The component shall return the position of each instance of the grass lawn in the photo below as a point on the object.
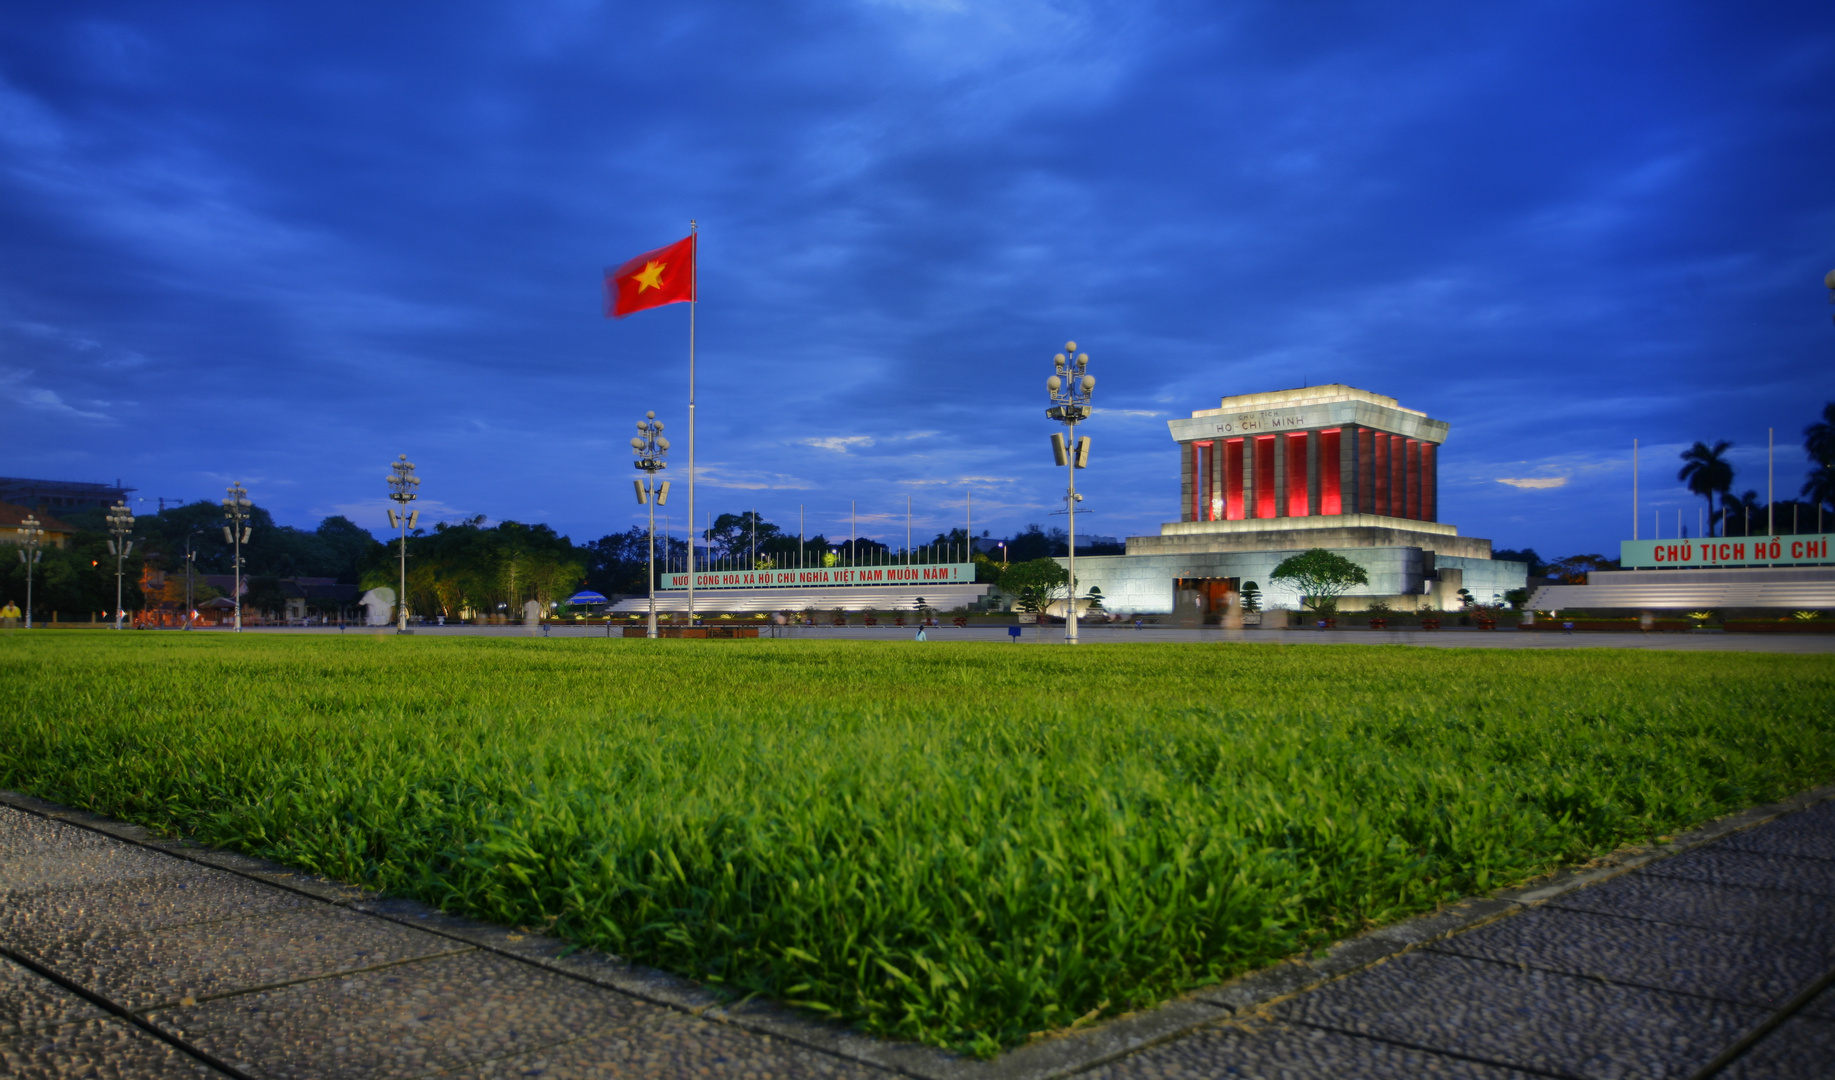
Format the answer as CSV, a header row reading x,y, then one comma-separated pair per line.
x,y
956,843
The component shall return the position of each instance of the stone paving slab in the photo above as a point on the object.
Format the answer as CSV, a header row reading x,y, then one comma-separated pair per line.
x,y
97,1050
1806,919
201,960
141,904
64,857
414,1019
1719,864
1265,1050
711,1050
28,1002
1801,1049
1678,959
1512,1016
1809,835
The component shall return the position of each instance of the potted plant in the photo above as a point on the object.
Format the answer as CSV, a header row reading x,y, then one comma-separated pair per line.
x,y
1379,615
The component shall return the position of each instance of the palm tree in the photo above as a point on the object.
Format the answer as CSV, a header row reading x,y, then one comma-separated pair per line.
x,y
1706,473
1819,443
1819,438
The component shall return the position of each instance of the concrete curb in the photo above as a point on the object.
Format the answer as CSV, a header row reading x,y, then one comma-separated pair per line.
x,y
1056,1055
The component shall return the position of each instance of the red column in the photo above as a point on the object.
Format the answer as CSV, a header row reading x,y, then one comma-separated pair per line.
x,y
1382,474
1264,476
1232,479
1296,475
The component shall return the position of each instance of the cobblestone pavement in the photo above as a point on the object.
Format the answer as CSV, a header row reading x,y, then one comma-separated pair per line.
x,y
121,956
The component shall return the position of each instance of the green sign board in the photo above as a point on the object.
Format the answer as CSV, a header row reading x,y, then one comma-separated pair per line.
x,y
1725,551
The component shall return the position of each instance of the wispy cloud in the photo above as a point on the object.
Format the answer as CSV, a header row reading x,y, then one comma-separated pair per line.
x,y
1534,483
17,386
840,444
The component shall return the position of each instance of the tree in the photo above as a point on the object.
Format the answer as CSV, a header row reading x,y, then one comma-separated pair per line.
x,y
733,535
1819,438
1321,576
1573,569
1820,487
1034,582
1251,594
1036,543
1705,472
1819,444
1523,555
1738,515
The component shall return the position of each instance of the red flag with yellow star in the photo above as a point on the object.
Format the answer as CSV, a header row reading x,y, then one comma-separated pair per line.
x,y
655,278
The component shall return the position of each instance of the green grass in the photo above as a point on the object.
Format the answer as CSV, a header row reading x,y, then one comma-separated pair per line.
x,y
961,844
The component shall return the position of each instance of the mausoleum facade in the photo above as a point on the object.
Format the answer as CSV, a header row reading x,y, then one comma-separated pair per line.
x,y
1265,476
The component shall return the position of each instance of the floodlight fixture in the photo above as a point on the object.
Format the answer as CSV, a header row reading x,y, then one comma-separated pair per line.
x,y
403,489
1070,405
120,523
651,448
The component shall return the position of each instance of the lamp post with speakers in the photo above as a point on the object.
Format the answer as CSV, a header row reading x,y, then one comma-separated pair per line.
x,y
402,485
120,523
31,534
236,532
1070,387
650,447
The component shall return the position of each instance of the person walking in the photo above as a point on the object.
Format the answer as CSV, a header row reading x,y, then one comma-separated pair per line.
x,y
9,616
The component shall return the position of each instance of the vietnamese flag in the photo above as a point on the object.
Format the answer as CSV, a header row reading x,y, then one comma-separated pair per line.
x,y
655,278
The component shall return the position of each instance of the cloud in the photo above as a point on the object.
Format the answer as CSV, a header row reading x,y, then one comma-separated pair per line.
x,y
840,444
1534,483
15,385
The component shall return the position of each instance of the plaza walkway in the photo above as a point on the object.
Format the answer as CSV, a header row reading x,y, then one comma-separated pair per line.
x,y
122,956
1123,634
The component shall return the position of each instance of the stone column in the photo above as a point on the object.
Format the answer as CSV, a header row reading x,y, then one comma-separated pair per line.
x,y
1249,503
1280,475
1312,473
1188,458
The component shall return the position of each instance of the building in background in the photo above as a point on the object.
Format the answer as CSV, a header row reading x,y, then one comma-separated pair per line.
x,y
1266,476
60,494
12,520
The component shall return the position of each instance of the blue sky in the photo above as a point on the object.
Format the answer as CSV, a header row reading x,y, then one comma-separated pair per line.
x,y
281,244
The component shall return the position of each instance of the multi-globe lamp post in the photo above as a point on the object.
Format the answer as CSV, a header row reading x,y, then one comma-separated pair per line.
x,y
120,522
402,485
236,531
1070,387
650,447
31,534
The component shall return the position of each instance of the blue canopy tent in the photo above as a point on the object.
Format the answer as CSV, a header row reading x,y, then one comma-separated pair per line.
x,y
586,598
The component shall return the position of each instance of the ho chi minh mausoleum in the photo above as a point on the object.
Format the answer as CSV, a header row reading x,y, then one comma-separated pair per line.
x,y
1265,476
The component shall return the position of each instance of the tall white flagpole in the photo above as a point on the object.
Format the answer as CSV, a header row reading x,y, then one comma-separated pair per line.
x,y
694,297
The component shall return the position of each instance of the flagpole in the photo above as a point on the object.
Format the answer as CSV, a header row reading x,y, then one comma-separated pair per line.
x,y
694,296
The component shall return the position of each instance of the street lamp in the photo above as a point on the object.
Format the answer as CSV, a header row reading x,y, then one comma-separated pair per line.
x,y
1070,392
31,534
402,483
120,522
235,534
191,558
650,447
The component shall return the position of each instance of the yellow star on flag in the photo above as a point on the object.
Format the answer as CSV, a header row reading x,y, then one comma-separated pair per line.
x,y
651,276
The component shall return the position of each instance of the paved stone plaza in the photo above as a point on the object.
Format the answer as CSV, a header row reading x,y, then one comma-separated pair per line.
x,y
125,956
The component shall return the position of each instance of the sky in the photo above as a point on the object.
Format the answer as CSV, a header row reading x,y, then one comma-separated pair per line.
x,y
281,244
